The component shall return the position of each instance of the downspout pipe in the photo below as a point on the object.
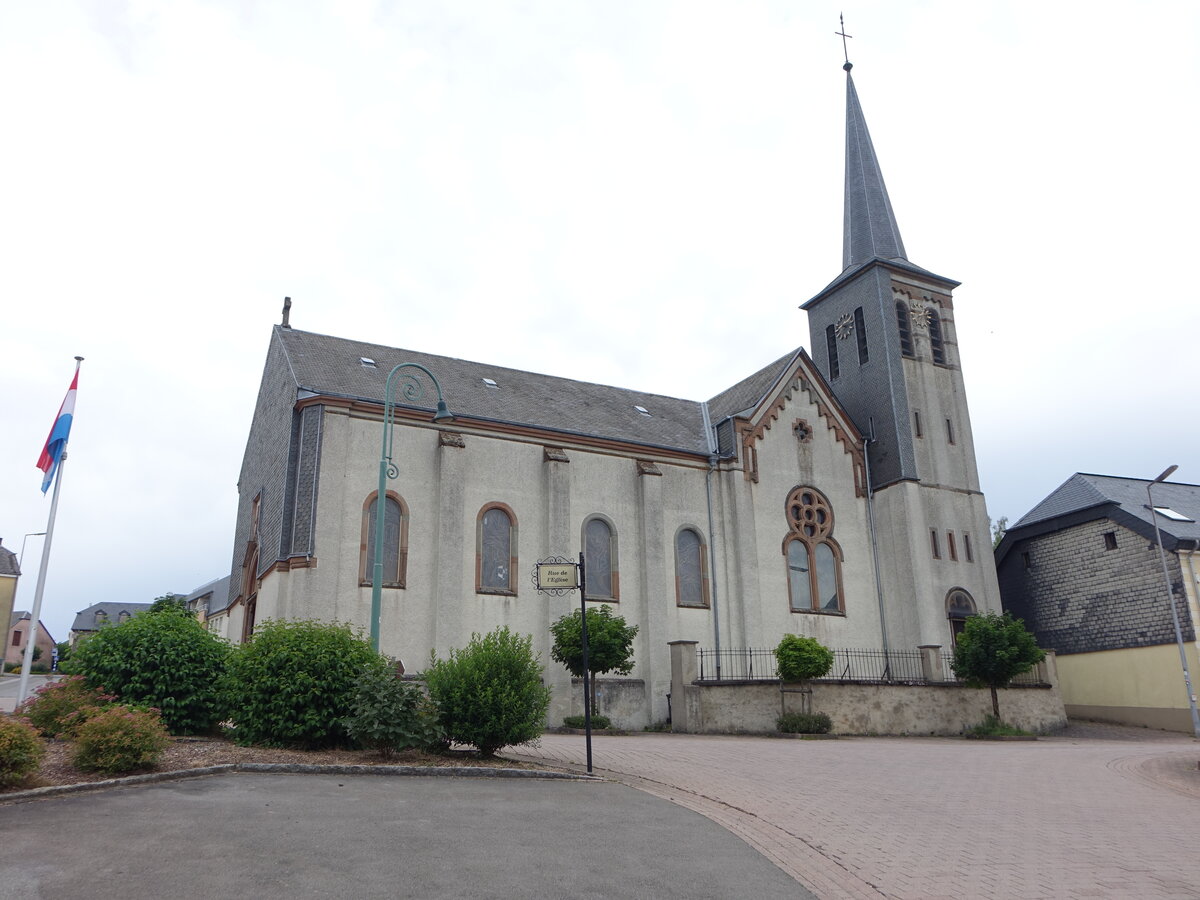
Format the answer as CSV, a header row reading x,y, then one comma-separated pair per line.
x,y
710,438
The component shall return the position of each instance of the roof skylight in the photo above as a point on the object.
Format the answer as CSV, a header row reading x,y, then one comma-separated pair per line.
x,y
367,362
642,410
1167,513
490,383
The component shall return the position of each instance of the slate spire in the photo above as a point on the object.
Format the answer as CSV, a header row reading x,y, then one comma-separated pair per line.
x,y
869,226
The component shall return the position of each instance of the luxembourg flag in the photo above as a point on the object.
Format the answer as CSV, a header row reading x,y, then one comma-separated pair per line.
x,y
56,443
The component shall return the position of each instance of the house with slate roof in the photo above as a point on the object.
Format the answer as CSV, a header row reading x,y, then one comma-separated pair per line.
x,y
833,492
90,620
10,573
18,636
1082,569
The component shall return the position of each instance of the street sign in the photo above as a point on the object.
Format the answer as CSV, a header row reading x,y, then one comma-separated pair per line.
x,y
557,576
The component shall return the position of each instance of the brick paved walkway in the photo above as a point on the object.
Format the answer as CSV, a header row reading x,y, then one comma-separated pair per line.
x,y
1097,812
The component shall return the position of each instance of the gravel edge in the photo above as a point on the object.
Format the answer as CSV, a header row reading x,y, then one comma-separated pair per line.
x,y
289,769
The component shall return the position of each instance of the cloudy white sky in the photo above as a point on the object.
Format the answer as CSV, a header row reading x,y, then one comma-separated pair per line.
x,y
636,193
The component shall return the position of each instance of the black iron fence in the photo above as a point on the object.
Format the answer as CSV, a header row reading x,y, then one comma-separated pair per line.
x,y
849,666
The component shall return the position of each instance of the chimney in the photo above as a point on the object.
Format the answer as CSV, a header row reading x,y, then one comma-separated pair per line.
x,y
287,311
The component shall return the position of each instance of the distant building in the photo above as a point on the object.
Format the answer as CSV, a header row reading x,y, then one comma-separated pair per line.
x,y
18,637
90,620
208,600
10,573
1082,569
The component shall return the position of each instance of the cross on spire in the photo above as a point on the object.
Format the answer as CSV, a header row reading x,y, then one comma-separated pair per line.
x,y
843,35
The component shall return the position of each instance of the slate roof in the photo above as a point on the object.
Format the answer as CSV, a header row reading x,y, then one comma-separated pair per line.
x,y
869,225
746,394
332,366
218,588
8,562
1084,496
85,619
17,616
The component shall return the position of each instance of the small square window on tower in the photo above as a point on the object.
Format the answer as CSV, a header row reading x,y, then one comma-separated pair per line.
x,y
1110,540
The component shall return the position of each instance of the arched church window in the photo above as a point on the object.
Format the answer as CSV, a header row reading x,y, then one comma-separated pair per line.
x,y
959,607
691,571
600,555
831,349
904,325
814,559
937,347
496,550
395,540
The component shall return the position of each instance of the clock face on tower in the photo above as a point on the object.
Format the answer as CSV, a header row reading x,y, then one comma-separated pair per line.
x,y
844,327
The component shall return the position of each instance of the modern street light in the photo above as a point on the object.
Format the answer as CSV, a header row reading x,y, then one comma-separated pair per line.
x,y
413,391
21,558
1162,556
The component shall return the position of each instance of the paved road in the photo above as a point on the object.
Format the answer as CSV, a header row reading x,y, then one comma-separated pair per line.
x,y
1098,812
9,685
290,836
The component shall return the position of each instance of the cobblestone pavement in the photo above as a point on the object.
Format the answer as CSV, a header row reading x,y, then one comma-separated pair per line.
x,y
1098,811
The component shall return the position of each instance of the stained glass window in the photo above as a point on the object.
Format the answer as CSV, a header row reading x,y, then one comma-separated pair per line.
x,y
393,526
599,557
690,584
496,551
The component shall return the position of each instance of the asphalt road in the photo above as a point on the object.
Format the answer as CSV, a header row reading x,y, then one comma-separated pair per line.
x,y
292,836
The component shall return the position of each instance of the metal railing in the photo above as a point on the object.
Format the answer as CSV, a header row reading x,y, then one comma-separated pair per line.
x,y
850,666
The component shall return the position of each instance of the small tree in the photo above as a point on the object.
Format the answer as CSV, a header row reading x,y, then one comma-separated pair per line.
x,y
610,644
170,602
490,693
801,658
992,650
389,714
160,659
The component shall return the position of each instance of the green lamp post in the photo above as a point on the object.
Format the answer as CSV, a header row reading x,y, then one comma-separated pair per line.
x,y
413,391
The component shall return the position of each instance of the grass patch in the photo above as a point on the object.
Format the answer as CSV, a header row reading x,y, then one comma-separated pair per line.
x,y
993,727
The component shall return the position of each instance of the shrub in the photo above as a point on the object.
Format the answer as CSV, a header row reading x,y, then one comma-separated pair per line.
x,y
58,709
578,722
388,714
803,723
120,739
160,659
800,658
21,751
490,693
293,683
992,650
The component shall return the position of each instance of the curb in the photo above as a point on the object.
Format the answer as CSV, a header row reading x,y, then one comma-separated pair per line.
x,y
290,769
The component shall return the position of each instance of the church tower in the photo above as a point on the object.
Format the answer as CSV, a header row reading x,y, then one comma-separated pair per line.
x,y
883,334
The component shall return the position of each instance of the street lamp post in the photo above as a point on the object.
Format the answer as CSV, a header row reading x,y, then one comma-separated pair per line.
x,y
413,391
21,558
1162,556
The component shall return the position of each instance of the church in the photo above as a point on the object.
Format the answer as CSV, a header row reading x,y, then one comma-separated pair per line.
x,y
832,493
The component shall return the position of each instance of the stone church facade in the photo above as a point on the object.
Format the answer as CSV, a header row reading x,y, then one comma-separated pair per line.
x,y
832,494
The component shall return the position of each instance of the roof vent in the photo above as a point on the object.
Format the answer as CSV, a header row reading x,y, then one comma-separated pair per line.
x,y
490,383
367,362
642,410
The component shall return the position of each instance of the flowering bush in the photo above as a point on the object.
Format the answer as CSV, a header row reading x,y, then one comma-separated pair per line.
x,y
120,739
20,751
58,709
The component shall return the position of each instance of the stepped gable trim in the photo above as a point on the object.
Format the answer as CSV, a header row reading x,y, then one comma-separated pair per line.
x,y
803,376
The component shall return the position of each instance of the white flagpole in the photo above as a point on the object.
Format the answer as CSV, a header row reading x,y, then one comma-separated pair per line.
x,y
35,616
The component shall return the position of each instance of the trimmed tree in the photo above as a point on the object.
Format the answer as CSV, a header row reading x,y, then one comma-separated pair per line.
x,y
992,650
490,693
800,658
160,659
610,644
293,684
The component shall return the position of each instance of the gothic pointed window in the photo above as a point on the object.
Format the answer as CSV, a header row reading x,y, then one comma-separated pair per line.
x,y
395,540
904,325
691,571
814,559
600,556
937,347
831,348
496,550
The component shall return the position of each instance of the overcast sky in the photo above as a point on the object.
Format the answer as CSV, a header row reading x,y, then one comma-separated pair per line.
x,y
630,192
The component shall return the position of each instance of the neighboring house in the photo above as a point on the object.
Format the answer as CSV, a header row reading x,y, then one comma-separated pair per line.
x,y
90,620
10,573
761,511
18,638
1082,569
200,602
